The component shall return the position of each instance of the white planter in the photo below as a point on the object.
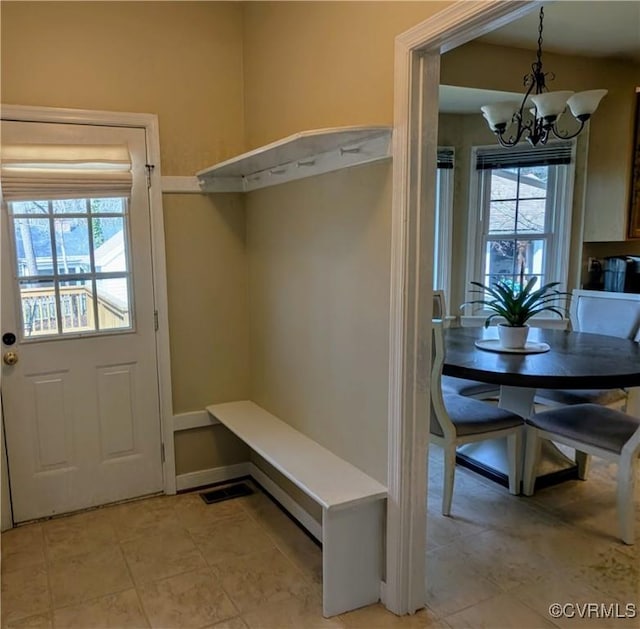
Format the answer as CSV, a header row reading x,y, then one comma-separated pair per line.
x,y
513,337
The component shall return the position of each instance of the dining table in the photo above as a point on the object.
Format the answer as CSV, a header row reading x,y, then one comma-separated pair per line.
x,y
560,359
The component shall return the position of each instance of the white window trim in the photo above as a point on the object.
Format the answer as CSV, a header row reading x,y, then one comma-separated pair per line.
x,y
444,233
558,255
148,122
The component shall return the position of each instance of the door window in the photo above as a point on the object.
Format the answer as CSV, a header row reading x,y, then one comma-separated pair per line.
x,y
72,266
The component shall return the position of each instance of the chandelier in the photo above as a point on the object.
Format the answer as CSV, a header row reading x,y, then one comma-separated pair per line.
x,y
536,117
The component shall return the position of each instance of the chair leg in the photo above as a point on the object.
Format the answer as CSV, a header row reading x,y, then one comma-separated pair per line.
x,y
449,474
583,460
514,450
531,456
626,488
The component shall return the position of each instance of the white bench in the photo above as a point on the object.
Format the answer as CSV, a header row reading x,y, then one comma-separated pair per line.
x,y
352,502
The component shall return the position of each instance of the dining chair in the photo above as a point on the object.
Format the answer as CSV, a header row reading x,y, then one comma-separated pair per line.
x,y
592,430
456,420
461,386
597,314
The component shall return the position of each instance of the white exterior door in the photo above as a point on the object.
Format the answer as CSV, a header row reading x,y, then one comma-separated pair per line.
x,y
81,405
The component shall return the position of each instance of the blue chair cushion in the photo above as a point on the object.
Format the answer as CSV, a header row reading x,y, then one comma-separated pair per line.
x,y
473,417
472,388
583,396
591,424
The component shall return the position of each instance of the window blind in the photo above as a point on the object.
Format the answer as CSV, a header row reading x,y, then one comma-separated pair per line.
x,y
445,158
55,171
521,156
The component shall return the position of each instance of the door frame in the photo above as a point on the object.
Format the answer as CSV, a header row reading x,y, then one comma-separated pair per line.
x,y
148,122
416,81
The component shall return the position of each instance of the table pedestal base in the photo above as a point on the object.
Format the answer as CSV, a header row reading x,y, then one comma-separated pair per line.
x,y
489,459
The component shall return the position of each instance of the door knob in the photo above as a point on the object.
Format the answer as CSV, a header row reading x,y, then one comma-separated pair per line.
x,y
10,358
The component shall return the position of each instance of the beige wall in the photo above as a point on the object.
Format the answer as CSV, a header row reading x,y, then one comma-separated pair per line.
x,y
609,161
319,249
208,317
179,60
207,286
226,76
202,448
208,69
319,253
311,65
183,62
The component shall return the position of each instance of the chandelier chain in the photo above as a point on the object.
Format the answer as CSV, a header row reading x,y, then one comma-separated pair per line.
x,y
539,55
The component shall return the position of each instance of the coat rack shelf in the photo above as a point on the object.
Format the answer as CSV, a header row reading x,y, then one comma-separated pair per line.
x,y
300,155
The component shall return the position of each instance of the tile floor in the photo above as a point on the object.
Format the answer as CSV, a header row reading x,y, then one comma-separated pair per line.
x,y
174,562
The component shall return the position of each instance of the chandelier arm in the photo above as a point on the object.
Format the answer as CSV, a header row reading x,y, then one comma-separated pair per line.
x,y
514,139
523,127
566,135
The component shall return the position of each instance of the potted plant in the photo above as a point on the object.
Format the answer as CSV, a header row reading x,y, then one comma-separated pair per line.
x,y
516,304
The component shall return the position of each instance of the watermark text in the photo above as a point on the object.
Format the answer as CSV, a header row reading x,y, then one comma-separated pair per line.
x,y
593,610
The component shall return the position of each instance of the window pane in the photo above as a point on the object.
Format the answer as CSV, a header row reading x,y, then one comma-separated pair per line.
x,y
533,180
72,245
531,216
505,259
70,206
113,303
33,246
78,298
500,260
108,206
76,306
504,183
502,217
109,245
38,300
29,207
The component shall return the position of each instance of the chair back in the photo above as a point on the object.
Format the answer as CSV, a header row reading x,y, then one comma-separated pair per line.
x,y
612,314
441,424
439,305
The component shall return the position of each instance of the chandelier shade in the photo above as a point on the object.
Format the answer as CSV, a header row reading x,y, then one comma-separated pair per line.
x,y
535,118
499,114
585,103
550,104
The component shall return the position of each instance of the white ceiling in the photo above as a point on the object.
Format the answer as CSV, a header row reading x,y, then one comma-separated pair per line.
x,y
591,29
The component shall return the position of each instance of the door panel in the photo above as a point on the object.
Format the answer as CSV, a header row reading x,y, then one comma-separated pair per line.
x,y
52,428
81,405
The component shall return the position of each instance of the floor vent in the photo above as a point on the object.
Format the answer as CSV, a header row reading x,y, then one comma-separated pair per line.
x,y
226,493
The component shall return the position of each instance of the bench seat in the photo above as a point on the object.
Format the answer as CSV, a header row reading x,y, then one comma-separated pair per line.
x,y
352,502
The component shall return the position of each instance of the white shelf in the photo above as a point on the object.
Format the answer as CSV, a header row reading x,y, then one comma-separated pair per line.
x,y
303,154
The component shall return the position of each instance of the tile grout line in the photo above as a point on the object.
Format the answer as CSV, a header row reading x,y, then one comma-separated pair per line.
x,y
135,585
216,577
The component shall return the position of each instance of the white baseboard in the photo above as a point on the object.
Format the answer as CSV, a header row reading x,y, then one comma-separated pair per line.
x,y
201,478
300,514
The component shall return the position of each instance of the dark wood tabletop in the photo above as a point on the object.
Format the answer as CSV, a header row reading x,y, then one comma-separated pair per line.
x,y
576,360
